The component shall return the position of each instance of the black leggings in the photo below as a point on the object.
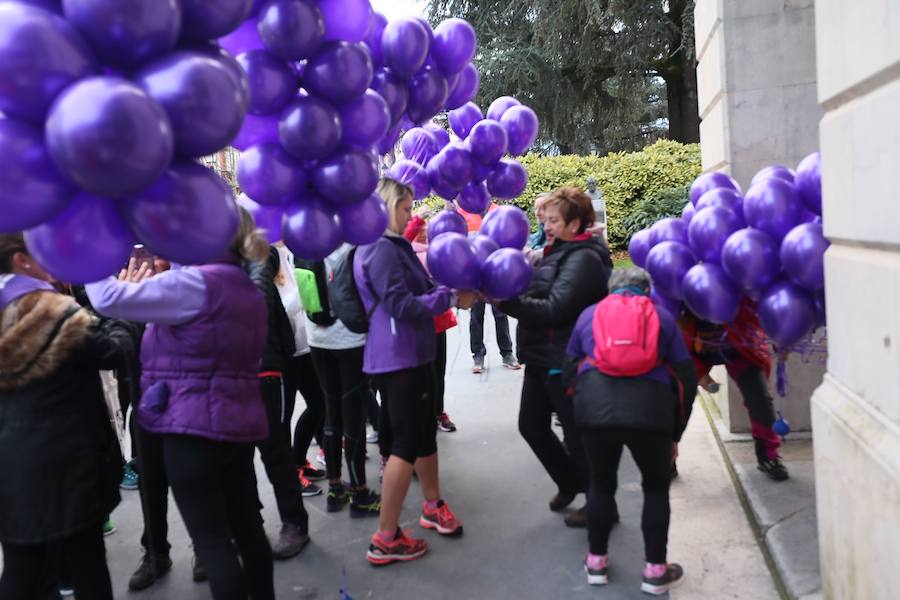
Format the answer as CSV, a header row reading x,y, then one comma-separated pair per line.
x,y
215,489
300,375
344,384
31,572
408,427
154,485
652,451
440,370
566,463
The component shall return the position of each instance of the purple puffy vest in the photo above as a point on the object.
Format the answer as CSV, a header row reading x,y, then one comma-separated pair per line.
x,y
201,378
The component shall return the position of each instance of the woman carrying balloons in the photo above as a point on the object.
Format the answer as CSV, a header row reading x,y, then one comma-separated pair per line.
x,y
201,355
400,352
571,276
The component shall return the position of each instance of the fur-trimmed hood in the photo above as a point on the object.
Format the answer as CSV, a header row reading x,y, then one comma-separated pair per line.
x,y
39,332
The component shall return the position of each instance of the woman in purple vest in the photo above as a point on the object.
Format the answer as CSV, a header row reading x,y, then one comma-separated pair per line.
x,y
400,353
201,355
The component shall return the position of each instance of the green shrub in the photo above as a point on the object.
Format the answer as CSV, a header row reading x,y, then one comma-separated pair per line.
x,y
649,210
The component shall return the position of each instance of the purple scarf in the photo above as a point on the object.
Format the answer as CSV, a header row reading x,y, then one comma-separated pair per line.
x,y
13,287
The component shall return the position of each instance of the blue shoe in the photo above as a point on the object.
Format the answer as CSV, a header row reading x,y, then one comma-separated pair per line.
x,y
129,478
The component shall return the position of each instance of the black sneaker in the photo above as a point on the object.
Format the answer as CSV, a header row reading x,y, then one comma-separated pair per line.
x,y
291,540
337,498
365,503
657,586
151,568
775,469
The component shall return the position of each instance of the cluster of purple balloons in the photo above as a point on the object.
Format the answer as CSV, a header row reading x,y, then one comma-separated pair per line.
x,y
106,105
472,169
492,261
332,85
766,245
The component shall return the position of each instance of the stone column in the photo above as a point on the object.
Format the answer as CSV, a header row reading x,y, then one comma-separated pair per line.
x,y
856,411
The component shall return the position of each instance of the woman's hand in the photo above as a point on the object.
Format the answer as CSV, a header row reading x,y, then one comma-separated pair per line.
x,y
465,299
134,273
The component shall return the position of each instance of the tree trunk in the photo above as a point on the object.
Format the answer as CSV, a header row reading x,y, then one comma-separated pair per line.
x,y
681,93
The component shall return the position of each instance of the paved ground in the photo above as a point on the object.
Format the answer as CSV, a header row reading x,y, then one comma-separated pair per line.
x,y
513,547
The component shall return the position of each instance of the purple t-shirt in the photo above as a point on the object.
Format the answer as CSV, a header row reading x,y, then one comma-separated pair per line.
x,y
672,348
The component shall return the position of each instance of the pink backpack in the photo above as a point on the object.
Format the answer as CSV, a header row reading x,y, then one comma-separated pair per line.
x,y
626,336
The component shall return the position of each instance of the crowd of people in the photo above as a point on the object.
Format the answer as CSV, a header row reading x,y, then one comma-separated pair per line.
x,y
210,358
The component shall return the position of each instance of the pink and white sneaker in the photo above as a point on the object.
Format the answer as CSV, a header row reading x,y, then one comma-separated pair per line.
x,y
441,519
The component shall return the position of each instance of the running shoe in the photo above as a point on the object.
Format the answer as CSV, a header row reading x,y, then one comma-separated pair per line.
x,y
320,457
597,569
308,488
66,591
478,365
445,424
372,438
775,469
440,519
337,498
129,477
311,473
659,579
401,548
365,503
109,527
510,362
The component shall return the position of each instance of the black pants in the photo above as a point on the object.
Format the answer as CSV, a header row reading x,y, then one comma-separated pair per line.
x,y
154,486
652,451
408,427
31,572
754,387
440,371
543,394
372,408
215,490
344,384
301,376
278,459
476,331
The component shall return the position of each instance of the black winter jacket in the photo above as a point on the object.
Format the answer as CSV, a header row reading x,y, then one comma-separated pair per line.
x,y
280,344
568,279
60,464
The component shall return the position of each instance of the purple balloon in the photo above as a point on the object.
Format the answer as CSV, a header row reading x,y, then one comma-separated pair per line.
x,y
440,187
310,129
340,72
364,222
201,97
483,247
639,248
708,231
86,242
499,107
773,206
243,39
480,172
709,181
441,137
226,59
346,177
809,182
272,82
311,229
454,45
394,92
404,46
803,256
508,226
53,6
475,198
455,165
724,197
267,218
427,26
453,262
205,20
446,221
389,141
412,174
188,216
108,136
710,294
688,212
508,179
773,172
31,189
126,34
373,37
489,142
292,29
673,307
42,54
750,258
269,175
256,130
464,118
465,88
428,91
669,230
419,145
506,274
522,125
368,119
787,313
667,263
346,20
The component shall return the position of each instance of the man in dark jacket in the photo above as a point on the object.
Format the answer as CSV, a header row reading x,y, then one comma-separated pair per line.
x,y
571,276
648,413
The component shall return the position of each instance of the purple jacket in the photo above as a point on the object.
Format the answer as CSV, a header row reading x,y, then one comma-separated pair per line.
x,y
401,328
201,352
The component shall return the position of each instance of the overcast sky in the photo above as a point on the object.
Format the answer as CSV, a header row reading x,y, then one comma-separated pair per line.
x,y
399,8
